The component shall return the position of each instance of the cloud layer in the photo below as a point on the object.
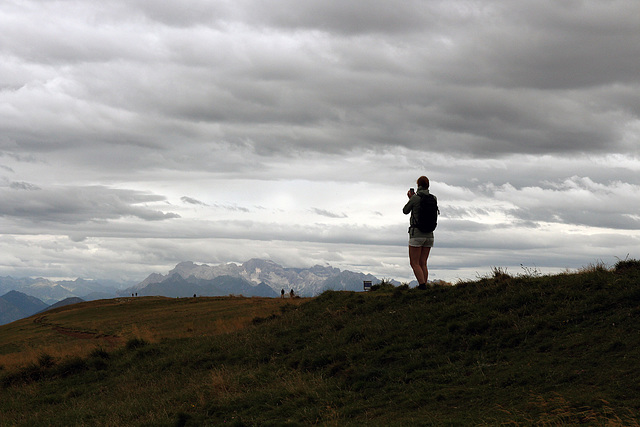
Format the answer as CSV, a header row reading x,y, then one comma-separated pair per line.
x,y
135,134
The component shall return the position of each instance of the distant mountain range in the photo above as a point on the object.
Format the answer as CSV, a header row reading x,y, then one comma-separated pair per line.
x,y
24,297
16,305
50,292
255,277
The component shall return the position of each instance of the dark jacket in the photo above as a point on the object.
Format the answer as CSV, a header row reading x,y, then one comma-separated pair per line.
x,y
413,207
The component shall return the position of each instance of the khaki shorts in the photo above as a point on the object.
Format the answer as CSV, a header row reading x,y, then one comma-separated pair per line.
x,y
427,242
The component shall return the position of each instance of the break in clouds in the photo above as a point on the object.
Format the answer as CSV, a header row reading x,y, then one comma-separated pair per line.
x,y
135,135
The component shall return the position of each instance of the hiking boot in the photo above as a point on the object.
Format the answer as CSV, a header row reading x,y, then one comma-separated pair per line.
x,y
422,286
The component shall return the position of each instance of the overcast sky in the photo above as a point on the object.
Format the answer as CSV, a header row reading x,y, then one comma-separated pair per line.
x,y
136,134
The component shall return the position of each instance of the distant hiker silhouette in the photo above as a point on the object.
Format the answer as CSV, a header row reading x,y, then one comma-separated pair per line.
x,y
291,293
421,235
282,293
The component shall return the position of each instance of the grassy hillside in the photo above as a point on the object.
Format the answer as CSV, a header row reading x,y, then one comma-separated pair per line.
x,y
108,324
525,350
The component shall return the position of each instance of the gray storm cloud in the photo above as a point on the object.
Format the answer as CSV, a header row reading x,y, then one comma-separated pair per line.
x,y
127,121
490,78
77,204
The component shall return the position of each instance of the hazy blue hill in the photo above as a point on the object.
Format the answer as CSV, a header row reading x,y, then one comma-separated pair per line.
x,y
47,291
8,312
7,283
99,295
152,278
347,281
23,301
264,290
177,286
17,305
51,292
85,287
227,285
64,302
173,286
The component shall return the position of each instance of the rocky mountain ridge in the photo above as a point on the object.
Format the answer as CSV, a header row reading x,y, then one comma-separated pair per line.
x,y
257,273
255,277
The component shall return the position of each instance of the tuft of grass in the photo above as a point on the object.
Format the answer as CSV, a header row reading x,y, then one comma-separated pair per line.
x,y
134,343
500,274
627,266
71,366
385,285
530,272
99,353
46,361
595,267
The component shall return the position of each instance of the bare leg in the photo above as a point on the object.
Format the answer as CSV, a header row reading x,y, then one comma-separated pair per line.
x,y
424,254
415,254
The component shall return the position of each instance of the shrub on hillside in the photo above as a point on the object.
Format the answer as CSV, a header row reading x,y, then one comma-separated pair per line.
x,y
134,343
99,353
71,366
627,265
46,360
384,285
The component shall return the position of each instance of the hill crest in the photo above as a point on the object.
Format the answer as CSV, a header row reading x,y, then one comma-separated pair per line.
x,y
524,350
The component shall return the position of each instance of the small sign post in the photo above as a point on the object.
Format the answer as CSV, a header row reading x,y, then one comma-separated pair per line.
x,y
367,285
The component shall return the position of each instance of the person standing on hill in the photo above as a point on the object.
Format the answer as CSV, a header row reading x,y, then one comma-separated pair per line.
x,y
420,242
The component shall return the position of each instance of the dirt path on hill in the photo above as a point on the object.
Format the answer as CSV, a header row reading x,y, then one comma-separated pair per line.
x,y
112,340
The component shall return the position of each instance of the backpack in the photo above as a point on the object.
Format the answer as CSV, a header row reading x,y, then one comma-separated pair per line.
x,y
428,214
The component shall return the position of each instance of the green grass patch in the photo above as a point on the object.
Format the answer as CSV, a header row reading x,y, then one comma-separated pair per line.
x,y
520,350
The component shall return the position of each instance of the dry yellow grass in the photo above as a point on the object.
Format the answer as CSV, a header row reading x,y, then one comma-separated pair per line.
x,y
80,328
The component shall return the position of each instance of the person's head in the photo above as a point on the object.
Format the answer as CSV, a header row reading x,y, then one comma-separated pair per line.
x,y
423,182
